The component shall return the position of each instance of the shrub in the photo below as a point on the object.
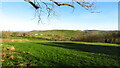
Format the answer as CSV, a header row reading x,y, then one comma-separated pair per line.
x,y
6,34
107,37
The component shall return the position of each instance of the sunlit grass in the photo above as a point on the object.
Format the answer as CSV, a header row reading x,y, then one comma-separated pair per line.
x,y
52,53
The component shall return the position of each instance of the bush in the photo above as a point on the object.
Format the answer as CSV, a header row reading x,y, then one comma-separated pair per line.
x,y
6,34
16,34
107,37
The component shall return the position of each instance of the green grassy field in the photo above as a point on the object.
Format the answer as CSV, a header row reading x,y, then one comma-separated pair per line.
x,y
62,53
61,34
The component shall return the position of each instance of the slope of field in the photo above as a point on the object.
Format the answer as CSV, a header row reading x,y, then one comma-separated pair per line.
x,y
66,34
51,53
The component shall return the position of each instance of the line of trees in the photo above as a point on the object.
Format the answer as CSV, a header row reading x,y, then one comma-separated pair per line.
x,y
107,37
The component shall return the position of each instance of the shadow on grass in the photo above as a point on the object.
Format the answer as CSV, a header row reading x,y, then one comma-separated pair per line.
x,y
109,50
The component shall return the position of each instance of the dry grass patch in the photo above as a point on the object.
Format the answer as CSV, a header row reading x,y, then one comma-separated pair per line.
x,y
12,40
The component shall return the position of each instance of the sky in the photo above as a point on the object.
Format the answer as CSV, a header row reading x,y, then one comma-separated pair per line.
x,y
19,16
60,0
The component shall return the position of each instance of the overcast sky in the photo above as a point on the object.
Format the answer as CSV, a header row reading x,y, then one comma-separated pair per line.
x,y
19,16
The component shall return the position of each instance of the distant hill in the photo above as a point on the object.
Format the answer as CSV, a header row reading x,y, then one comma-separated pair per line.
x,y
66,32
61,33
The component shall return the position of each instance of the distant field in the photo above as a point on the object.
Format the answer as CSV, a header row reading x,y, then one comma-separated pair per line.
x,y
61,34
60,53
75,35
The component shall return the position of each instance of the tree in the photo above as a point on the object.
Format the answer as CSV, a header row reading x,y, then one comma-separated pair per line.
x,y
82,3
38,5
6,34
16,34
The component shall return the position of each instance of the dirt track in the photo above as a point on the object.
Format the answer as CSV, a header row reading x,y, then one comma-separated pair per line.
x,y
12,40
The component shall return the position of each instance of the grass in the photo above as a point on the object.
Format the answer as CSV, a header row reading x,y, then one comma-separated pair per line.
x,y
64,34
63,53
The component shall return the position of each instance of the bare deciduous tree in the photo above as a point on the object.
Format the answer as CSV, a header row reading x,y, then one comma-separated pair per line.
x,y
38,5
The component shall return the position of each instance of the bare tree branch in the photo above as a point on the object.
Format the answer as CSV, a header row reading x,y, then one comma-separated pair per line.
x,y
62,4
35,6
39,5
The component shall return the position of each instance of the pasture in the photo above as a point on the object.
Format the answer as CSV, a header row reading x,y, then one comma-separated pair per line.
x,y
59,53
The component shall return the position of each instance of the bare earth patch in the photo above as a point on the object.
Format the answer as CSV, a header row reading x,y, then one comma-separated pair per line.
x,y
12,40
